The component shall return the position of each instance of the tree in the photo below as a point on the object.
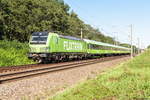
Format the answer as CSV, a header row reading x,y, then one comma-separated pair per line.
x,y
20,18
148,47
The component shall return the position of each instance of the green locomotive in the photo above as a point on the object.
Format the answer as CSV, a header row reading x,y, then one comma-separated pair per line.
x,y
49,46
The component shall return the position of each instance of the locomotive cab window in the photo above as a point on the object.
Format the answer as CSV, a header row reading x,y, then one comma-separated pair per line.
x,y
39,38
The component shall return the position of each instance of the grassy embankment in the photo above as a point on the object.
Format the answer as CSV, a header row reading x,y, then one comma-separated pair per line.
x,y
128,81
13,53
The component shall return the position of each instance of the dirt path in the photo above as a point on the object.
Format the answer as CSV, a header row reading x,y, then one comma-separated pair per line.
x,y
48,85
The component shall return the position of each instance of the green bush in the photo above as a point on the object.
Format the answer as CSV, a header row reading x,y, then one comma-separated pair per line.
x,y
13,53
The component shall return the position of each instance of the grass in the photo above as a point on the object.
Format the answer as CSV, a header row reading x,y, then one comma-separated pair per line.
x,y
128,81
13,53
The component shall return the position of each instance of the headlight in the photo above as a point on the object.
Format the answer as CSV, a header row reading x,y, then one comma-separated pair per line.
x,y
47,49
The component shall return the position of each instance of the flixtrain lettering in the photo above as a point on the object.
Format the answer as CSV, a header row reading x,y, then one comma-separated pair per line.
x,y
72,45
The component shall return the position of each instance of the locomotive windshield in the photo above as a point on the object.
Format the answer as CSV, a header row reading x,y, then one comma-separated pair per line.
x,y
39,38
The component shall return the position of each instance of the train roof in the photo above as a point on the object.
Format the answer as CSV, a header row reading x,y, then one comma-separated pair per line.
x,y
104,44
70,37
40,33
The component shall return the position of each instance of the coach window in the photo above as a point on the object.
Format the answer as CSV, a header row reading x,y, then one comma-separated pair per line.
x,y
56,40
102,47
89,46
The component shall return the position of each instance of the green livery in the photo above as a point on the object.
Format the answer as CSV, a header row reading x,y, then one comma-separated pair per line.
x,y
51,46
95,47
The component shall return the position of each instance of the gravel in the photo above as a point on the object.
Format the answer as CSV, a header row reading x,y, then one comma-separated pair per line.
x,y
39,88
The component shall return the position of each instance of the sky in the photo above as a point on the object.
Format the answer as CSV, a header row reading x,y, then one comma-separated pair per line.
x,y
114,18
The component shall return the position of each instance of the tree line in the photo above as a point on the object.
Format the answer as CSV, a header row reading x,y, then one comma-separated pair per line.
x,y
20,18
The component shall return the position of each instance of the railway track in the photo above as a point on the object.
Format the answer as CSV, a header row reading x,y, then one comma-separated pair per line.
x,y
17,73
